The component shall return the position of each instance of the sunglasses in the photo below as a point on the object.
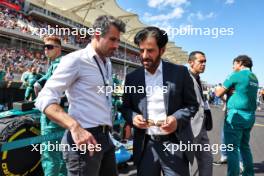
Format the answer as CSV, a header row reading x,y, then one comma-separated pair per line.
x,y
50,47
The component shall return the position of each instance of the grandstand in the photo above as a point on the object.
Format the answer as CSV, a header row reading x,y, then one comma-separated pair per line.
x,y
21,22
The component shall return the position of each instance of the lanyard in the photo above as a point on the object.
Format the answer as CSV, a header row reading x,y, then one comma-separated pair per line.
x,y
105,84
108,98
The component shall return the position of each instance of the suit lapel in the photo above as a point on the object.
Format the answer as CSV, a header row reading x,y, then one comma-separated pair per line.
x,y
142,96
165,74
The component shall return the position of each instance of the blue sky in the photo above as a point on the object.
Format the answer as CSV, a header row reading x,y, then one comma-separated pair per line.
x,y
246,18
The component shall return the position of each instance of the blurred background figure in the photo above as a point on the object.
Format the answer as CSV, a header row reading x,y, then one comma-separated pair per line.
x,y
30,80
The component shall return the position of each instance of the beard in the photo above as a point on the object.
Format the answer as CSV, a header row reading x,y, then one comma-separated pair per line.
x,y
151,64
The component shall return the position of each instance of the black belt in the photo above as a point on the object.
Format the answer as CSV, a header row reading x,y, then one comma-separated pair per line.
x,y
161,138
100,129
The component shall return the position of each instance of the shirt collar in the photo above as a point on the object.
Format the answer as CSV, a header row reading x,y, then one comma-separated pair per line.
x,y
92,53
194,75
245,68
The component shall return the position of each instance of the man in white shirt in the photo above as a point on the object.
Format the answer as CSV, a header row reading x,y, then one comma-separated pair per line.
x,y
82,74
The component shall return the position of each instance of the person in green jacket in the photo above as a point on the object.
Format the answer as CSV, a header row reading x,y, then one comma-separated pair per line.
x,y
241,87
52,161
2,73
2,79
30,80
24,75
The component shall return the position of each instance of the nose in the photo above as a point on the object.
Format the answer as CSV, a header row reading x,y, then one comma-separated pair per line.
x,y
116,45
144,54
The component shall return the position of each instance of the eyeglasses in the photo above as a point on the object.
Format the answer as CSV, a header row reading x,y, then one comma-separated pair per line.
x,y
49,47
151,122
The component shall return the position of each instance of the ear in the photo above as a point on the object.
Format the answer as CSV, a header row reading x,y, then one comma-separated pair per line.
x,y
240,64
190,62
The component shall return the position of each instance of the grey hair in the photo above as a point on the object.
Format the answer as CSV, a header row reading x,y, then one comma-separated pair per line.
x,y
105,21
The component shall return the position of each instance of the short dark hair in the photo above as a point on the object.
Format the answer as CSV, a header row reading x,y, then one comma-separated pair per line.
x,y
53,38
193,53
244,60
104,22
160,36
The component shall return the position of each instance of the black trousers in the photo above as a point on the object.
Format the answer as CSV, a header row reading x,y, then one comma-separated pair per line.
x,y
79,163
156,159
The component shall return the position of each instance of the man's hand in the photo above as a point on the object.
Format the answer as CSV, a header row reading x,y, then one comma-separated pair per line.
x,y
170,125
81,136
140,122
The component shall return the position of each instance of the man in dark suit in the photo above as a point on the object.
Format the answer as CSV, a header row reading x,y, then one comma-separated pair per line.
x,y
159,100
202,121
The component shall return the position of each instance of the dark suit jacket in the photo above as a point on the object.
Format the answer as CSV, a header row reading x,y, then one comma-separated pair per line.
x,y
180,101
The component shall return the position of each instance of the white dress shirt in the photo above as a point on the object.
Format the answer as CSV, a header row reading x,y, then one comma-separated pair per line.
x,y
155,99
79,75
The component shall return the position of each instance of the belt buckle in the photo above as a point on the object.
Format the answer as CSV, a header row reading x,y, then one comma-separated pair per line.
x,y
157,138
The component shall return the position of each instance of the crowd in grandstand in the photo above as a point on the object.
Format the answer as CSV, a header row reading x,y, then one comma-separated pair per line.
x,y
16,61
12,19
128,56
